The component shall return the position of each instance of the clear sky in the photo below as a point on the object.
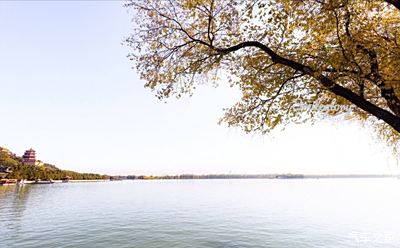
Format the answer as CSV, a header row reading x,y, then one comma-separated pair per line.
x,y
68,90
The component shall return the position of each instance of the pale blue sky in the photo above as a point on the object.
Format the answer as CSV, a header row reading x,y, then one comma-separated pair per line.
x,y
68,91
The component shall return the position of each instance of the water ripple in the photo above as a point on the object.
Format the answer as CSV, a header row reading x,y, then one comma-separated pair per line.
x,y
203,213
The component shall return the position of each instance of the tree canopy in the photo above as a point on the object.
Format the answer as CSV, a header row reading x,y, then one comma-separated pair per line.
x,y
293,60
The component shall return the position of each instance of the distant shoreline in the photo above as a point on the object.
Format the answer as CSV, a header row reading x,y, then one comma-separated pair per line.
x,y
222,176
211,177
75,181
252,176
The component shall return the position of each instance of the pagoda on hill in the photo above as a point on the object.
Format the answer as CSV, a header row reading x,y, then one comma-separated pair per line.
x,y
29,157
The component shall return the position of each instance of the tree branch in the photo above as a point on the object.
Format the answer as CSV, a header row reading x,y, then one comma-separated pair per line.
x,y
380,113
395,3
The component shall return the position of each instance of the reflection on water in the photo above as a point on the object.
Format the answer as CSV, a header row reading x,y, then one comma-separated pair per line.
x,y
203,213
16,198
13,204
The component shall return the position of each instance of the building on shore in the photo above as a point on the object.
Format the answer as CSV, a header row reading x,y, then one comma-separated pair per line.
x,y
4,171
29,157
66,179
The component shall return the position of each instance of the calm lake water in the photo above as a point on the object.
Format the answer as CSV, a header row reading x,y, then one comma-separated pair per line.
x,y
203,213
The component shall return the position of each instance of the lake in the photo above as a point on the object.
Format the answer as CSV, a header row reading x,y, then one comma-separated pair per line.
x,y
203,213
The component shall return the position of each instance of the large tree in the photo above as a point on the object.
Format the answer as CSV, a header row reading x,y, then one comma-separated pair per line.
x,y
294,60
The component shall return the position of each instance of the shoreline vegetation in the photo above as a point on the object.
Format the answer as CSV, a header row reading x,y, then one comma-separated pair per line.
x,y
251,176
12,167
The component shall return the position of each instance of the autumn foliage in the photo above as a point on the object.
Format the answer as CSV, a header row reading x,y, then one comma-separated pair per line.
x,y
294,61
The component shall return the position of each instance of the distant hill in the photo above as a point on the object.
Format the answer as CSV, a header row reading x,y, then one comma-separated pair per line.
x,y
10,162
